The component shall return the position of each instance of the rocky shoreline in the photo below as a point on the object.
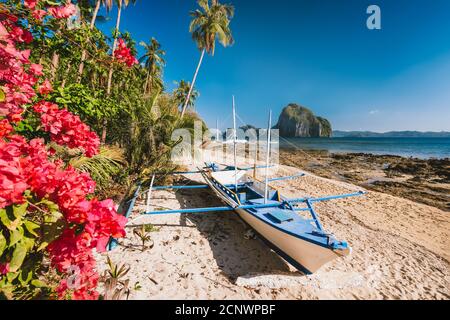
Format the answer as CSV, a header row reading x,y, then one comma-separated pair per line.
x,y
424,181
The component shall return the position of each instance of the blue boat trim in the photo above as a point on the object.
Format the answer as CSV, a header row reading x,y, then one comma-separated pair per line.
x,y
217,184
286,204
112,241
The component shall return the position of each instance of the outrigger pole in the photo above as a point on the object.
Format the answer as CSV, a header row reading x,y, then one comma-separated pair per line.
x,y
200,171
217,129
205,186
234,145
287,202
267,157
149,194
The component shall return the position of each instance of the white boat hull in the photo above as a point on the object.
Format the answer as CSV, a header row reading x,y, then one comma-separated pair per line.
x,y
302,254
310,256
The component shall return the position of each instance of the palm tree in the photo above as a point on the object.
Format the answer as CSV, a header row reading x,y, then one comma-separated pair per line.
x,y
209,22
185,94
153,61
108,4
120,4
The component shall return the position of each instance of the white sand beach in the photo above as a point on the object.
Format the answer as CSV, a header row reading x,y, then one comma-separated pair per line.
x,y
400,249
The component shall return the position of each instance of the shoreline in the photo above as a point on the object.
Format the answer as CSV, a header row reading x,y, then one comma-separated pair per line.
x,y
406,147
421,180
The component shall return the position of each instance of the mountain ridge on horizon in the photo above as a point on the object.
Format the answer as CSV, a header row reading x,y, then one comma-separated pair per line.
x,y
391,134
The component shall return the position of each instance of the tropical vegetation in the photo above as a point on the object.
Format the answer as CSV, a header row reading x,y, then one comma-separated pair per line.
x,y
81,119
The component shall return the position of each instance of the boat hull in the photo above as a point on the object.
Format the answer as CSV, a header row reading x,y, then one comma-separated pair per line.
x,y
304,255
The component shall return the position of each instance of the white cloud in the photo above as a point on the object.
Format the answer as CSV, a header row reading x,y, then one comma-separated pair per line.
x,y
371,112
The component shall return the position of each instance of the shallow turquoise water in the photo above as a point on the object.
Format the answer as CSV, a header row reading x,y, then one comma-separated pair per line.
x,y
408,147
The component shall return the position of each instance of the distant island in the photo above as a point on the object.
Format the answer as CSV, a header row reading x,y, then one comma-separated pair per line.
x,y
299,121
390,134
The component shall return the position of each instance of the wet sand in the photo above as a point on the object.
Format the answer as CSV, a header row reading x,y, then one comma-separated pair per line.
x,y
424,181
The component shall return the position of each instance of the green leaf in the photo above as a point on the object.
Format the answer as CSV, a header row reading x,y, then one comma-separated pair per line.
x,y
10,276
31,226
20,210
2,95
2,243
52,228
7,217
49,204
25,276
28,242
38,283
15,236
19,254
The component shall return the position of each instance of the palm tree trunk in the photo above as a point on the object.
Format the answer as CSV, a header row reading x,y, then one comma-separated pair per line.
x,y
66,75
94,16
192,83
54,67
108,87
146,81
84,53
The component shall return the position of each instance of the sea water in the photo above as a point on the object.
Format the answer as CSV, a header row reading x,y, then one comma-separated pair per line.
x,y
423,148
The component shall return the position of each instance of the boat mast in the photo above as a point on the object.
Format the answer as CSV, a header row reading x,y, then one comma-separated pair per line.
x,y
234,146
267,157
149,194
217,130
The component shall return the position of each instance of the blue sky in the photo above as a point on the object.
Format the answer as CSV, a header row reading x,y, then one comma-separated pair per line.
x,y
317,53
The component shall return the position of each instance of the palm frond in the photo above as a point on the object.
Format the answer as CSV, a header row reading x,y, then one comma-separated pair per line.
x,y
101,167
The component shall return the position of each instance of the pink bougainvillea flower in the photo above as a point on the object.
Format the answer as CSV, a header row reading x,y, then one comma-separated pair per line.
x,y
39,14
3,32
63,12
4,268
36,69
45,88
30,4
13,178
21,35
5,128
67,129
30,165
123,54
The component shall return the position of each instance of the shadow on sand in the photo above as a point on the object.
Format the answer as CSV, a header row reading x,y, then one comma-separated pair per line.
x,y
235,255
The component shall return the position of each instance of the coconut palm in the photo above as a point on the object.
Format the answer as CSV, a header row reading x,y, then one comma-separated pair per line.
x,y
209,22
185,94
108,4
120,4
153,61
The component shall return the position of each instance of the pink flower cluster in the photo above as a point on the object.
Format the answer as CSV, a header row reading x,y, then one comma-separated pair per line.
x,y
123,54
91,223
38,14
17,74
26,165
59,12
64,11
66,128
